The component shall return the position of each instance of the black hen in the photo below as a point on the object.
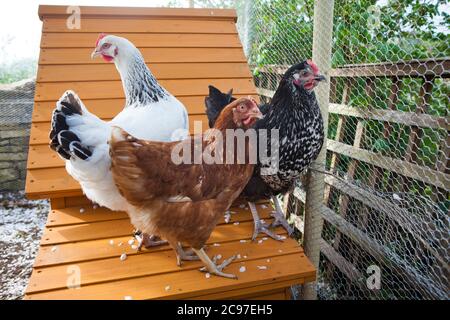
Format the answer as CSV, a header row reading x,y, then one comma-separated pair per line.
x,y
294,111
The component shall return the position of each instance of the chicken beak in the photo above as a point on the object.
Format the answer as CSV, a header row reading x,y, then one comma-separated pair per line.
x,y
320,77
95,53
256,113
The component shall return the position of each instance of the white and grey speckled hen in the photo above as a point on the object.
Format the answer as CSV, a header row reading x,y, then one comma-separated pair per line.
x,y
294,111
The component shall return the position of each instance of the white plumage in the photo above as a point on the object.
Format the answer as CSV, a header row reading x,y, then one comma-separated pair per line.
x,y
150,113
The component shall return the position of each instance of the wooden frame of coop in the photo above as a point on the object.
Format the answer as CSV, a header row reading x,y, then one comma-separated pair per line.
x,y
186,49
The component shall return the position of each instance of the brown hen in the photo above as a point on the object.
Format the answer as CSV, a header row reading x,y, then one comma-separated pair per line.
x,y
183,202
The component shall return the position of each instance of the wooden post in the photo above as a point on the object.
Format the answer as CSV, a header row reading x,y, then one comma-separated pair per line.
x,y
314,201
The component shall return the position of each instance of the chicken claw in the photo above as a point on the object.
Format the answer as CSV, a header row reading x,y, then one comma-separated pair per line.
x,y
261,227
279,217
188,255
147,241
211,266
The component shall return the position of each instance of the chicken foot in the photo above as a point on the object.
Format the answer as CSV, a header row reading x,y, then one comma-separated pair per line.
x,y
188,255
279,217
260,227
147,241
211,267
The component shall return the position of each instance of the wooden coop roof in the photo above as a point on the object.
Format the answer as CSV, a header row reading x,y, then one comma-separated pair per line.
x,y
187,49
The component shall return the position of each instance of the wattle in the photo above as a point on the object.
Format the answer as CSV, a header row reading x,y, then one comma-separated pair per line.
x,y
107,58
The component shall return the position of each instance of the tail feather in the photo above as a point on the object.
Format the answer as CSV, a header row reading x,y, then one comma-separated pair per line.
x,y
66,137
215,102
65,142
62,152
80,150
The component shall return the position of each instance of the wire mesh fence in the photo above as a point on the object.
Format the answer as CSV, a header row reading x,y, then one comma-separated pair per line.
x,y
16,105
386,199
387,178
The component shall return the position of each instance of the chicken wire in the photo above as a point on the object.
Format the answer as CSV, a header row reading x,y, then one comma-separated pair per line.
x,y
386,199
16,105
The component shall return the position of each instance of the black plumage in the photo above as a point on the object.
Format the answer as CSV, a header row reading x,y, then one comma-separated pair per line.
x,y
65,142
215,102
294,111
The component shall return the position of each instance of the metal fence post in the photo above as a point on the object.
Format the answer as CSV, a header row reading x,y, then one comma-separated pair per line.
x,y
322,37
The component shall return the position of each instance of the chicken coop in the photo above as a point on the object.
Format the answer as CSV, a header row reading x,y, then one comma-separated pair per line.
x,y
79,256
371,213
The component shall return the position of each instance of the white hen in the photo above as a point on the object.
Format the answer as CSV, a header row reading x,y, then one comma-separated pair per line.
x,y
81,138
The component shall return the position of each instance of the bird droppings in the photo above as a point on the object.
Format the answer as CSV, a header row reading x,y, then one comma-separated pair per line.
x,y
283,237
242,269
207,275
242,206
54,248
265,238
260,241
219,256
262,267
134,247
238,256
268,260
130,242
95,207
111,242
123,257
245,257
216,244
167,288
128,298
263,206
263,221
227,217
82,210
120,244
243,241
236,223
280,251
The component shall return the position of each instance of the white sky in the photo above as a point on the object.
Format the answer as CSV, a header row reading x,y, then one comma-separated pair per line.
x,y
19,20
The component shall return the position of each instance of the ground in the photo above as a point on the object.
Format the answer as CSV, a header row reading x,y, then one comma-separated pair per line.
x,y
21,225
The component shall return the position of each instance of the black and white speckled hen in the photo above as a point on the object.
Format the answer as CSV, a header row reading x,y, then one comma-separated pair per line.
x,y
294,111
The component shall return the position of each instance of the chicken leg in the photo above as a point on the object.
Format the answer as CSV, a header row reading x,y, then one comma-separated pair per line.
x,y
188,255
211,267
147,240
259,226
279,217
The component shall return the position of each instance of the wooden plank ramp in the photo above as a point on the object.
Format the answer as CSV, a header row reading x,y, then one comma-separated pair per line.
x,y
87,245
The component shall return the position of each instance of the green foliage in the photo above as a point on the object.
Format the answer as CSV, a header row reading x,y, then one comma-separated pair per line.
x,y
363,31
17,70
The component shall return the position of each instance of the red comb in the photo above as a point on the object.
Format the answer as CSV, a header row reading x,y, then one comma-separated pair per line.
x,y
313,66
100,37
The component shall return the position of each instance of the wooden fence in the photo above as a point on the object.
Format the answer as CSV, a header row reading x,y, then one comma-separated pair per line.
x,y
385,171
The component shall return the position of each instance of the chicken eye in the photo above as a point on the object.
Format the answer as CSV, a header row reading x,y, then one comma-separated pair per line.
x,y
105,46
303,72
242,107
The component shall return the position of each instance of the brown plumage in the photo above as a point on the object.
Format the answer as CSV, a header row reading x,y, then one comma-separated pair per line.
x,y
182,202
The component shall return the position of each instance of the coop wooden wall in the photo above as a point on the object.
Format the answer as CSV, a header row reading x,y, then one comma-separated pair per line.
x,y
186,49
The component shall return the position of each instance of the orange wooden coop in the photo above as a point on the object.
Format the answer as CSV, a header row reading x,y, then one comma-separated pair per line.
x,y
186,49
